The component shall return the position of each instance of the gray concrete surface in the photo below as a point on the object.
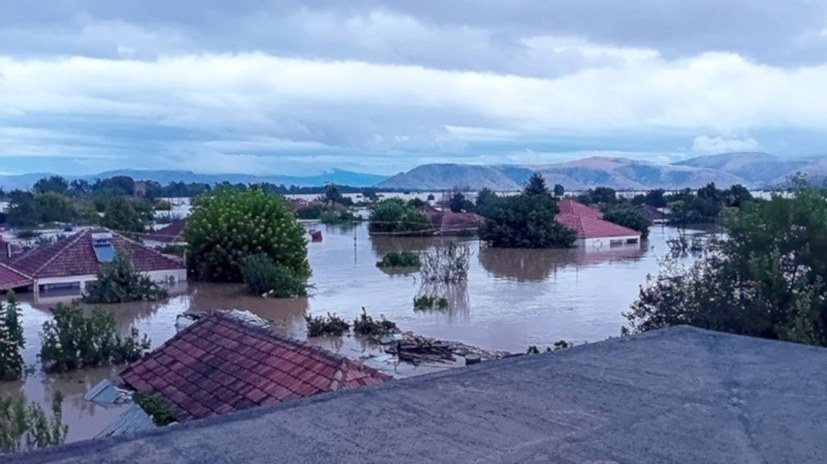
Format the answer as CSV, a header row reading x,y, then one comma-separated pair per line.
x,y
680,395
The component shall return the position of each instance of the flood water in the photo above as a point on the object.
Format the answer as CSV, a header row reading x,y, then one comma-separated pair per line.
x,y
513,298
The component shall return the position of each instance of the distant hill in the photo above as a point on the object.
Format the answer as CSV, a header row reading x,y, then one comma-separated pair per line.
x,y
336,176
450,176
756,169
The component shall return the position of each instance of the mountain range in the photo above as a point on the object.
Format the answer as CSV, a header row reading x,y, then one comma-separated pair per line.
x,y
753,170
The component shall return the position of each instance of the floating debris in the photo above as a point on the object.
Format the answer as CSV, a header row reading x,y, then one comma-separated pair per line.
x,y
417,349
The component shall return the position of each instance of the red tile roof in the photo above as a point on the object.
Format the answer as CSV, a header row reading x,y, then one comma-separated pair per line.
x,y
5,247
587,226
74,255
588,222
11,279
171,233
221,364
569,206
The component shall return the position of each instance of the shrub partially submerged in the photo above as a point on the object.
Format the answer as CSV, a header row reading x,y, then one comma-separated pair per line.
x,y
330,324
425,302
73,341
119,282
24,428
400,259
367,326
266,278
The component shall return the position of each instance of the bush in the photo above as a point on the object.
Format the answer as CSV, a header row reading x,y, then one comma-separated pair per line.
x,y
72,341
310,212
11,340
425,302
156,407
326,325
367,326
627,217
121,215
333,217
227,225
27,428
177,250
394,216
446,265
400,259
119,282
266,278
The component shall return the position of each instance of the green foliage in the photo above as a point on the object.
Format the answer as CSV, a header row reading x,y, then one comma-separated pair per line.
x,y
73,341
627,217
11,340
25,428
367,326
333,217
119,282
51,184
120,215
394,216
156,407
599,195
163,205
310,212
326,325
459,203
536,186
426,302
266,278
766,279
486,202
558,345
177,250
656,198
525,221
559,190
400,259
228,225
54,207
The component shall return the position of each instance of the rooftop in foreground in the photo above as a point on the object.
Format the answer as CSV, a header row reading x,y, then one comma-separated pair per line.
x,y
680,395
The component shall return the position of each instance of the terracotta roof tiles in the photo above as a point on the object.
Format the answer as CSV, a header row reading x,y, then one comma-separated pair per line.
x,y
11,279
212,376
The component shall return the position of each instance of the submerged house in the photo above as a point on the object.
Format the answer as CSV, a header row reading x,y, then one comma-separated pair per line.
x,y
222,364
447,222
171,234
11,279
73,261
653,215
593,232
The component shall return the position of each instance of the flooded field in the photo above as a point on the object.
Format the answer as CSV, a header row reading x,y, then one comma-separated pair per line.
x,y
513,298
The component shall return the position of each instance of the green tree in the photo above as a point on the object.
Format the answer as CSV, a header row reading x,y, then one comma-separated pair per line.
x,y
394,216
603,195
525,221
266,278
536,186
486,200
227,225
458,203
559,190
119,282
11,340
25,428
765,279
121,215
54,207
656,198
74,341
736,196
52,184
22,210
627,217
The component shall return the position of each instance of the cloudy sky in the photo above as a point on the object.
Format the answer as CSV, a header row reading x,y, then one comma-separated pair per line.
x,y
297,87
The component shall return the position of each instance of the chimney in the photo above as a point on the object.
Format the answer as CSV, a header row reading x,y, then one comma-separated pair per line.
x,y
8,250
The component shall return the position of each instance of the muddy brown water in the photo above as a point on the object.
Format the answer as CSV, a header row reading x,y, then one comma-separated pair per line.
x,y
513,298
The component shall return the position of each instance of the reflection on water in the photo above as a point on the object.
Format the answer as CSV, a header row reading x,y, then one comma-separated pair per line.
x,y
513,298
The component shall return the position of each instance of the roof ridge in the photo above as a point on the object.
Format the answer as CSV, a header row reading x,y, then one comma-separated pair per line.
x,y
64,245
5,265
139,244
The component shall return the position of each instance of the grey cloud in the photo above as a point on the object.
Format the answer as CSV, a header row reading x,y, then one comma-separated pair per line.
x,y
478,35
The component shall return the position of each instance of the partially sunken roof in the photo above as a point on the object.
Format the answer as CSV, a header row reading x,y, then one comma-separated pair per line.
x,y
569,206
11,279
593,227
171,233
679,395
221,364
75,255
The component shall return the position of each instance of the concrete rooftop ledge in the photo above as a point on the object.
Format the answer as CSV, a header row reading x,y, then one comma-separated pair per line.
x,y
679,395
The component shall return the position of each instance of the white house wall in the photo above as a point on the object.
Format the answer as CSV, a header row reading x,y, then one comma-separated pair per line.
x,y
163,276
605,242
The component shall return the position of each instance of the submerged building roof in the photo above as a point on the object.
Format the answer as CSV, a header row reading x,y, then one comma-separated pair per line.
x,y
76,255
11,279
678,395
587,222
170,233
222,364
